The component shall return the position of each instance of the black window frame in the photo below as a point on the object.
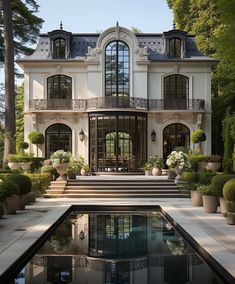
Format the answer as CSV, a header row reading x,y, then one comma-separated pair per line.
x,y
59,51
175,47
59,92
117,89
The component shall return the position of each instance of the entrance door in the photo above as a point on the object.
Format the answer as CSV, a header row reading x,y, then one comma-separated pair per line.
x,y
175,135
117,142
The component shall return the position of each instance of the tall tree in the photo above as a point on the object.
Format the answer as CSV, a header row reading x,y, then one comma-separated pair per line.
x,y
10,127
20,30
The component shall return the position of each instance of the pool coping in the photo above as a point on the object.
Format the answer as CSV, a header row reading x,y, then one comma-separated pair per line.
x,y
12,256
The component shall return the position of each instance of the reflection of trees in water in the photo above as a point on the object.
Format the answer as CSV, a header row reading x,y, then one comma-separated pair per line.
x,y
177,247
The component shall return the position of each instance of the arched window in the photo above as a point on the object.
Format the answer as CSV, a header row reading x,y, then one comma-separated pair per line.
x,y
117,69
58,137
175,48
176,91
59,48
175,135
59,87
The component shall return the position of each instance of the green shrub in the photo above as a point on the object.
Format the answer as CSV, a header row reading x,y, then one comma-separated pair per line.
x,y
36,137
206,176
4,175
8,188
189,176
228,147
205,190
218,182
40,182
229,190
23,145
198,136
24,182
195,159
190,186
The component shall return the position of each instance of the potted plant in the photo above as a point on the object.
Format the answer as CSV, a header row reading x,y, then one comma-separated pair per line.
x,y
178,160
214,162
74,167
198,136
13,162
25,161
60,160
147,168
37,138
209,199
217,184
191,179
157,165
229,195
25,185
85,169
9,195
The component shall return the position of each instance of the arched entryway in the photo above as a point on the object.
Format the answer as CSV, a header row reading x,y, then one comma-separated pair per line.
x,y
117,141
175,135
58,137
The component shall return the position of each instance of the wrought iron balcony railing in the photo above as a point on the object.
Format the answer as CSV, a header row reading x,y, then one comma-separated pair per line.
x,y
117,102
177,104
58,104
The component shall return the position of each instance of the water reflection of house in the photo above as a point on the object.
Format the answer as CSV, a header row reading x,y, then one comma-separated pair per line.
x,y
116,248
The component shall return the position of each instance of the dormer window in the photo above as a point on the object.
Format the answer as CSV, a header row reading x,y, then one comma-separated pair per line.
x,y
175,48
59,48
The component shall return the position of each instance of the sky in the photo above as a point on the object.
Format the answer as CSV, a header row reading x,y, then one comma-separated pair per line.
x,y
97,15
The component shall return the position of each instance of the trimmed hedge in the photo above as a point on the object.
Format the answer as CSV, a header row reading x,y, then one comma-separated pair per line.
x,y
40,182
218,182
206,176
24,182
8,188
198,136
189,176
229,190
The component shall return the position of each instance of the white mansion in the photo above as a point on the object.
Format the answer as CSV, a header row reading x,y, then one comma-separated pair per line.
x,y
117,98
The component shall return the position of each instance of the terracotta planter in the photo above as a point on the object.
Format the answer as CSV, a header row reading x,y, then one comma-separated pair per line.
x,y
196,198
84,172
62,170
11,204
156,172
223,208
22,201
210,203
148,173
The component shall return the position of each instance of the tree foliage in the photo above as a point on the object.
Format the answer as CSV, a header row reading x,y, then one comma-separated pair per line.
x,y
19,114
213,22
26,26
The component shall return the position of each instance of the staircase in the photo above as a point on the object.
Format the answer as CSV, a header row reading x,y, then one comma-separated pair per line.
x,y
118,187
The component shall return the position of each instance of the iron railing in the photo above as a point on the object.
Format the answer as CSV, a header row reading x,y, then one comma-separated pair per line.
x,y
117,102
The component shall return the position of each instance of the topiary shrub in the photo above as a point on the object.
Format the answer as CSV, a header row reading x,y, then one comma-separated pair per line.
x,y
189,176
229,190
198,136
8,188
218,182
205,190
37,138
206,176
24,182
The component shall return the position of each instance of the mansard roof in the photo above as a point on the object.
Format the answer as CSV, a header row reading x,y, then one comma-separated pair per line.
x,y
79,43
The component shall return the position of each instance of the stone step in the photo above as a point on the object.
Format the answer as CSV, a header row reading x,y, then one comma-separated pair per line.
x,y
117,195
68,191
121,187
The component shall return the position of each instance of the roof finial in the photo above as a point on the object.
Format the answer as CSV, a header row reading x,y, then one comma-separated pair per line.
x,y
117,23
173,25
61,25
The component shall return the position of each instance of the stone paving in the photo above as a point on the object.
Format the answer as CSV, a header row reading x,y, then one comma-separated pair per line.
x,y
18,232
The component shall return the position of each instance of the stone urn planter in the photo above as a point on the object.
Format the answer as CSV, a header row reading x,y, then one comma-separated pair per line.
x,y
14,166
25,166
22,201
178,171
171,174
62,170
156,172
210,203
84,172
11,204
213,166
196,198
148,173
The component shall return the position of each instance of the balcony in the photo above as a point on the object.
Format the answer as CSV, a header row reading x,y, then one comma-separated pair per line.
x,y
177,104
58,104
117,103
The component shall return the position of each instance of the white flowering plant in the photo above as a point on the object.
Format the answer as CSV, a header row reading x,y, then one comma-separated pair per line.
x,y
179,159
60,157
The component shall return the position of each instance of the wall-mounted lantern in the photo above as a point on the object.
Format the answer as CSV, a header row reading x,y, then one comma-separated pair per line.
x,y
153,136
81,135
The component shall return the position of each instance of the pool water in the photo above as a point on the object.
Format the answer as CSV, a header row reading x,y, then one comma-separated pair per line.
x,y
116,248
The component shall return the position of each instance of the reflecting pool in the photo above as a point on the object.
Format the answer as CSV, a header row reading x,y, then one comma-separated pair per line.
x,y
116,248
